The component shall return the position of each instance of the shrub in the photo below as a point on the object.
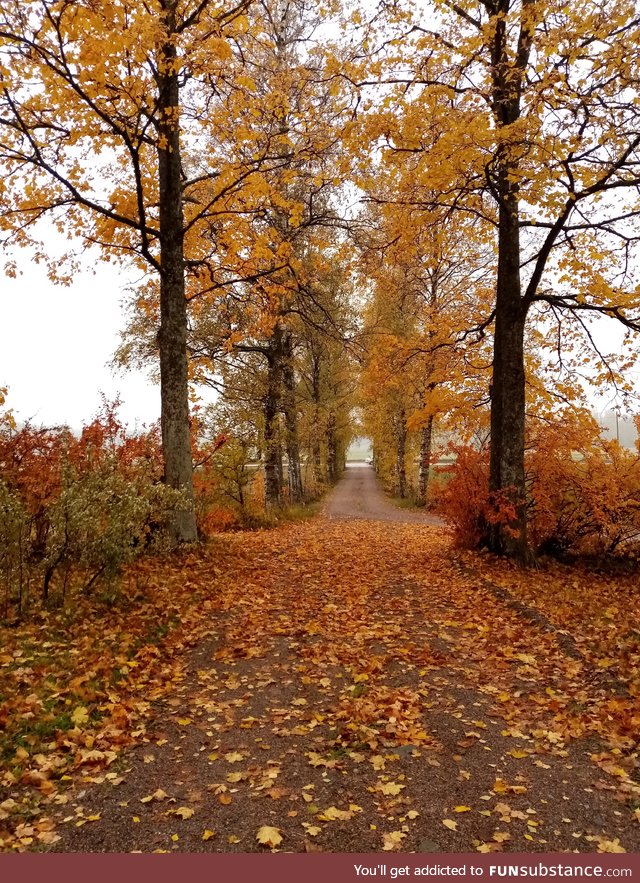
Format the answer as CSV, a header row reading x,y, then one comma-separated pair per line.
x,y
82,506
465,501
583,492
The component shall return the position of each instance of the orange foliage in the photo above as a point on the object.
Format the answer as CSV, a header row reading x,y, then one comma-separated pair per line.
x,y
465,500
583,492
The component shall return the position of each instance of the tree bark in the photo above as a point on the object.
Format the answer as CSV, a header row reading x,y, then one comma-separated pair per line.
x,y
426,440
401,450
332,449
508,535
172,336
291,421
316,448
271,405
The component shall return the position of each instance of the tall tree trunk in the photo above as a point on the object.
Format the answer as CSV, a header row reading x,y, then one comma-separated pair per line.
x,y
401,450
271,410
291,421
426,441
316,447
332,449
172,337
508,536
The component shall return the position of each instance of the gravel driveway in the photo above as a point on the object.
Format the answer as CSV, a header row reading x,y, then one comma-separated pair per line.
x,y
359,495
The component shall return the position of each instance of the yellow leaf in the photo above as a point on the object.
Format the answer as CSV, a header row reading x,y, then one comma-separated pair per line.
x,y
184,721
527,658
312,830
450,824
185,812
462,809
208,834
501,836
392,840
234,757
389,788
610,846
80,715
333,814
268,836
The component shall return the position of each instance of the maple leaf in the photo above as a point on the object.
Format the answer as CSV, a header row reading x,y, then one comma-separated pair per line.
x,y
392,840
80,715
268,836
605,845
501,836
389,789
185,812
312,830
234,757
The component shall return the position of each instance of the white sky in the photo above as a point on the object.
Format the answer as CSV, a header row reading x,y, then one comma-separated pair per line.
x,y
56,344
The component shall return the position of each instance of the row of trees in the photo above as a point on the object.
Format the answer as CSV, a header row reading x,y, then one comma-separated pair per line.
x,y
212,144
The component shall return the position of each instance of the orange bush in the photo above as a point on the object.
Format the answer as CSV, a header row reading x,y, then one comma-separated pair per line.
x,y
583,492
465,500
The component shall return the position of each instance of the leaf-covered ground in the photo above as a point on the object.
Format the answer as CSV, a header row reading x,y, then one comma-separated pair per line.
x,y
329,685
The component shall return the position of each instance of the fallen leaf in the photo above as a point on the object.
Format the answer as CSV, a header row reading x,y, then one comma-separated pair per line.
x,y
268,836
392,840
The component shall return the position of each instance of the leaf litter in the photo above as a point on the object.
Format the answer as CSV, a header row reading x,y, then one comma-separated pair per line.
x,y
332,686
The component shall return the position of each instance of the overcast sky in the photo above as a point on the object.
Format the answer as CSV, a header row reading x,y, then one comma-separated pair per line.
x,y
56,345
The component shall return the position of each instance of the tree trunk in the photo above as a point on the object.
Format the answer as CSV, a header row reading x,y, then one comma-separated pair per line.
x,y
332,449
507,476
508,536
272,457
291,421
316,448
426,439
172,337
401,450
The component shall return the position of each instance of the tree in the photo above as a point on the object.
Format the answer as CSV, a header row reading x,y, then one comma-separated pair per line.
x,y
258,306
97,104
541,146
429,278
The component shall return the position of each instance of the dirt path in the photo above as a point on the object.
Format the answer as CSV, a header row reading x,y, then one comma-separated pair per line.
x,y
359,495
357,694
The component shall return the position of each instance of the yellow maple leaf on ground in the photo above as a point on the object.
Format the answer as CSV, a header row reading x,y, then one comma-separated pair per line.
x,y
268,836
610,845
389,789
234,757
80,715
392,840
